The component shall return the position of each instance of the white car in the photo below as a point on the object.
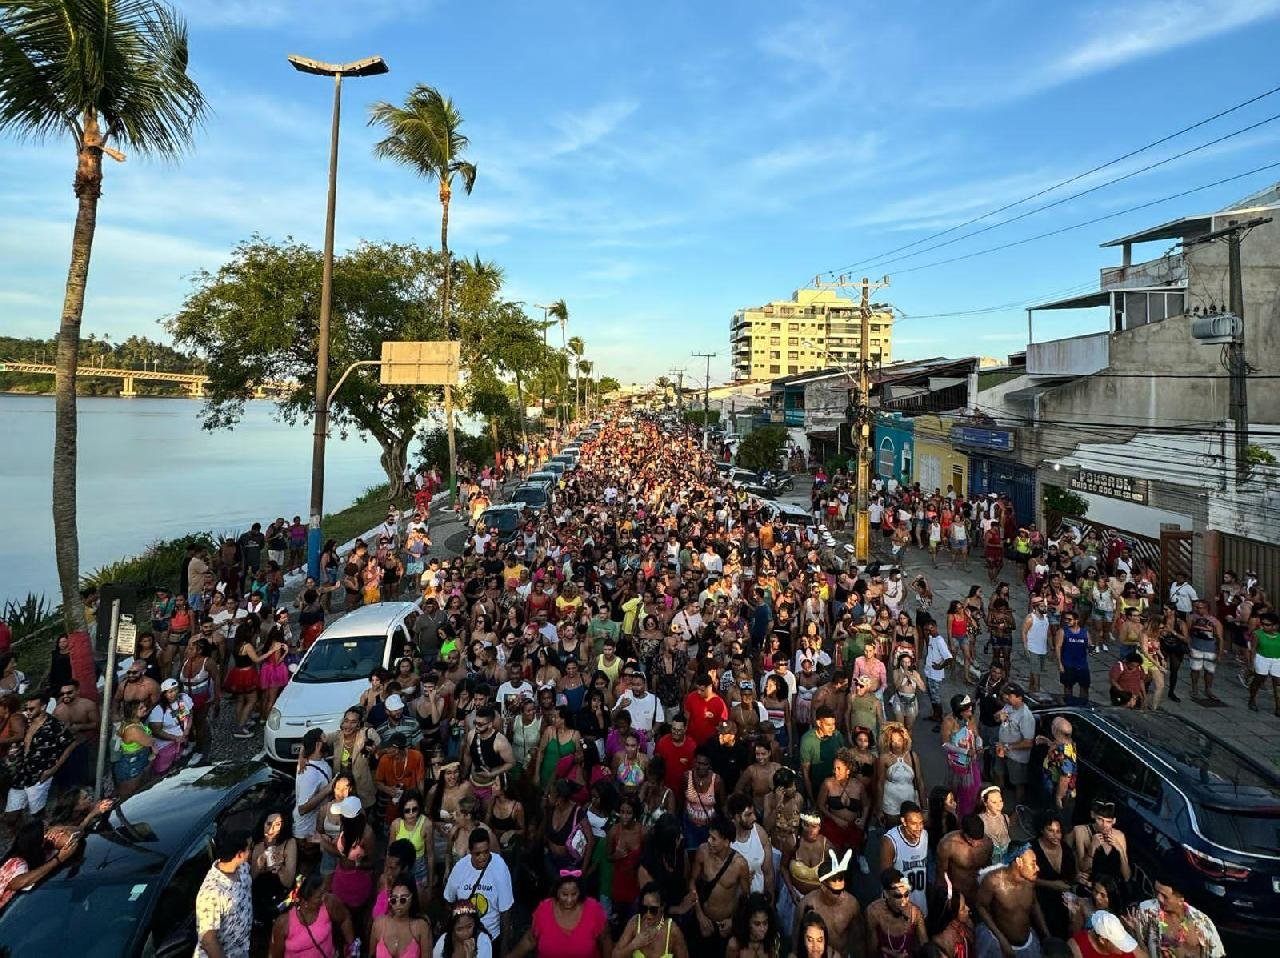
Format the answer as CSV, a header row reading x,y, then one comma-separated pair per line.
x,y
333,673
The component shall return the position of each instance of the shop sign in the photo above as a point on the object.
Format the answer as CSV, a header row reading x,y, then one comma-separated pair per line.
x,y
999,440
1111,486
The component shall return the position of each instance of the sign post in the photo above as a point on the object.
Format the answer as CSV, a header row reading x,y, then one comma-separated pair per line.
x,y
108,692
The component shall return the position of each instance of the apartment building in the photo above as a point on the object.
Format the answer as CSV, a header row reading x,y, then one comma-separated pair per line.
x,y
815,329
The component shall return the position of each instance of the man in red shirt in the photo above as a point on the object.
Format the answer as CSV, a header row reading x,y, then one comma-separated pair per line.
x,y
676,751
1128,682
704,709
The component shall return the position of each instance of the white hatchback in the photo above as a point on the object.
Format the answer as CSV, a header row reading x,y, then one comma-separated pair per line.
x,y
333,673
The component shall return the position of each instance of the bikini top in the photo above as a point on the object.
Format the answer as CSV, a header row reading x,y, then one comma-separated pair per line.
x,y
666,948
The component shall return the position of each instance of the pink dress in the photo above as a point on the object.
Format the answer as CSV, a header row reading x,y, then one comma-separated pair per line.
x,y
555,942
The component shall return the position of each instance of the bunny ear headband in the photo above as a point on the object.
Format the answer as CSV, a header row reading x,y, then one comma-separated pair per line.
x,y
836,867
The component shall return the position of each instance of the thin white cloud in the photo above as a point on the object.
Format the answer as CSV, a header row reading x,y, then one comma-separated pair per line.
x,y
583,129
1106,37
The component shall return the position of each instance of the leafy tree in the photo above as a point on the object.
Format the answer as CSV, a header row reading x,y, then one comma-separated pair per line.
x,y
425,135
606,385
762,448
257,320
102,73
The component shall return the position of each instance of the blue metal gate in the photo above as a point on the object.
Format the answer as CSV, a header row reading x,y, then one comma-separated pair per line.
x,y
1005,478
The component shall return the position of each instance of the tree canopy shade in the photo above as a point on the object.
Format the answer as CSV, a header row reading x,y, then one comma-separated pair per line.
x,y
100,72
256,320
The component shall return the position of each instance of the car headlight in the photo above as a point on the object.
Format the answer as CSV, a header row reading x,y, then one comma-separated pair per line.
x,y
273,720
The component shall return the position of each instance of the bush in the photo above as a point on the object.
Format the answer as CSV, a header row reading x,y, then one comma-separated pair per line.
x,y
762,449
30,615
159,565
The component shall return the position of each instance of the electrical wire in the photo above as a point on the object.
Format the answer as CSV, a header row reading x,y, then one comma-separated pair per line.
x,y
1075,196
1062,183
1090,222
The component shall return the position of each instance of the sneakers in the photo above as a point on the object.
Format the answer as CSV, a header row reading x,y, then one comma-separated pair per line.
x,y
242,732
1173,697
1105,647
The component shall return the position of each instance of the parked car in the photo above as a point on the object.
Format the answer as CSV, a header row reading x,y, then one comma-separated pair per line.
x,y
1198,812
569,462
549,479
554,466
131,889
533,496
333,673
505,518
788,513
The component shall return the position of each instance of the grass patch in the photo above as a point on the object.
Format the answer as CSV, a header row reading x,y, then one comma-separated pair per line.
x,y
362,515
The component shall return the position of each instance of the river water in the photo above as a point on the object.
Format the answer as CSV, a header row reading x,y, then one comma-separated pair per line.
x,y
147,471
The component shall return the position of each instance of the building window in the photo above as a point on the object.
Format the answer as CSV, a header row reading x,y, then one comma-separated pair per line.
x,y
906,464
793,341
775,354
792,370
775,340
793,356
774,370
884,459
775,327
957,478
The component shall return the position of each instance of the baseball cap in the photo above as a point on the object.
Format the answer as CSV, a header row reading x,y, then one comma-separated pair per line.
x,y
168,685
349,807
1111,930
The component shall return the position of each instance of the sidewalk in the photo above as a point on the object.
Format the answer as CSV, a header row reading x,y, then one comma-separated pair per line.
x,y
1255,733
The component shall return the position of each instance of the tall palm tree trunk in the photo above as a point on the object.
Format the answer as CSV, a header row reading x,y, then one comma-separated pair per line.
x,y
88,189
448,328
524,434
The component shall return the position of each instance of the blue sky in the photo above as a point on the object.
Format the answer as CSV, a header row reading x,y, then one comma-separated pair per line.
x,y
660,165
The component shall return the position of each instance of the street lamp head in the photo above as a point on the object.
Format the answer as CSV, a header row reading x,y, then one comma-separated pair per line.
x,y
369,66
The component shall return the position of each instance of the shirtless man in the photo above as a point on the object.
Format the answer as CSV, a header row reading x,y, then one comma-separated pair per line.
x,y
721,878
962,854
1006,904
756,781
895,926
81,717
839,910
835,694
136,686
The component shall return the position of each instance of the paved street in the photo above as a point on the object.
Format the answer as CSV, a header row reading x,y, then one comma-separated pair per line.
x,y
1256,733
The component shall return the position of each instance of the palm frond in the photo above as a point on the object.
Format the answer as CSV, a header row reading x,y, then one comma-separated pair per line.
x,y
124,61
425,135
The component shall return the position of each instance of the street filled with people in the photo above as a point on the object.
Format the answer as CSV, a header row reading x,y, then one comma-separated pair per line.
x,y
654,719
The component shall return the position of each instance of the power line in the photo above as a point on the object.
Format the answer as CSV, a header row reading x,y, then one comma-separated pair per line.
x,y
1090,222
1068,181
1075,196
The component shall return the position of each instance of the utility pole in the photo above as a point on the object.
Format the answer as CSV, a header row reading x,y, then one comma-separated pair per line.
x,y
1234,356
706,399
862,527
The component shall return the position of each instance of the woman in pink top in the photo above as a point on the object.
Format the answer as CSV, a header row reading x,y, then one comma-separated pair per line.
x,y
401,933
317,926
567,925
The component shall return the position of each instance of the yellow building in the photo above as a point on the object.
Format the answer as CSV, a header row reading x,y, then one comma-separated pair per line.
x,y
937,464
813,330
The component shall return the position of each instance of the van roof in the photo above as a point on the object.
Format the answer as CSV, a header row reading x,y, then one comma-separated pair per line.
x,y
368,620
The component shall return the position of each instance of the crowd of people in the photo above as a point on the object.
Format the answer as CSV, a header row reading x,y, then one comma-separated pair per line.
x,y
653,722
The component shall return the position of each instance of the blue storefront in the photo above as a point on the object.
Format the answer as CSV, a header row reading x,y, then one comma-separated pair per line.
x,y
992,468
895,447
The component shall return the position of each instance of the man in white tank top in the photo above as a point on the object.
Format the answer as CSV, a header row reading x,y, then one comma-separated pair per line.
x,y
906,848
1035,639
752,843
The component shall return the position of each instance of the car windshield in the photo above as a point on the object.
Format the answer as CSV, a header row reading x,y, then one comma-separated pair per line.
x,y
342,660
504,520
1207,762
531,496
98,917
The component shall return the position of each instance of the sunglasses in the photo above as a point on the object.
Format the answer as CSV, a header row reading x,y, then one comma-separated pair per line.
x,y
651,909
899,894
411,808
399,899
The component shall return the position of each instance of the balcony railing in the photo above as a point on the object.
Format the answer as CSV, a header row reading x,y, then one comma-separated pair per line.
x,y
1168,270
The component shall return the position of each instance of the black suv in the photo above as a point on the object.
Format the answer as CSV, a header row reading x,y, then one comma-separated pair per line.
x,y
1198,812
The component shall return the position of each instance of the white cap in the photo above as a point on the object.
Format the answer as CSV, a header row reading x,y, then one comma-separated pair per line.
x,y
394,703
1111,930
349,807
168,685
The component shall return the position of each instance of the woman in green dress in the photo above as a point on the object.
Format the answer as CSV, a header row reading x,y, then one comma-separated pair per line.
x,y
559,738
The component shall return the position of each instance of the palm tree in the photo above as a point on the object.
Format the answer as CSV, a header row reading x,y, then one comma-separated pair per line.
x,y
584,369
576,347
559,311
425,136
102,72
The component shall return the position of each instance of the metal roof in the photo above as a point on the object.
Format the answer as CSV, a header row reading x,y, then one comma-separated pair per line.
x,y
1174,229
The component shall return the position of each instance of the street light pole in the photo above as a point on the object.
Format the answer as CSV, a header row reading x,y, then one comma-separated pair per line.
x,y
370,66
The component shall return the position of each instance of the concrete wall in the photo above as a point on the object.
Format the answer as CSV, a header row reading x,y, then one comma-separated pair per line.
x,y
937,463
1074,356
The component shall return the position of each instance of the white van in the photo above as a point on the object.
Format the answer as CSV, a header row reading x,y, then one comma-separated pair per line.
x,y
333,673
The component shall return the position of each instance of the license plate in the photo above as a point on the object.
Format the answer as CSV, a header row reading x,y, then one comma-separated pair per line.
x,y
295,748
